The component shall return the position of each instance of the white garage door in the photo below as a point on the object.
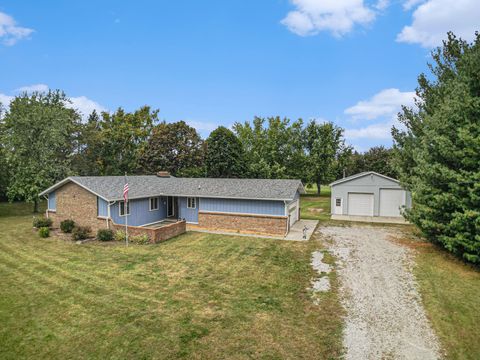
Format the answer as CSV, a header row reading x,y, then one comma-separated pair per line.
x,y
360,204
293,211
390,202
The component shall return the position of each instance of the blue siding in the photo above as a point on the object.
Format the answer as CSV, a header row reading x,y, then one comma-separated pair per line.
x,y
139,212
102,207
52,201
261,207
191,215
295,198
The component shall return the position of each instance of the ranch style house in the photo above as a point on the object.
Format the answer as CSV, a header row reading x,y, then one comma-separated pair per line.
x,y
163,206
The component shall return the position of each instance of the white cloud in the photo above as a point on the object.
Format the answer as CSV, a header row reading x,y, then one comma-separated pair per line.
x,y
380,131
410,4
85,105
434,18
383,107
387,102
204,128
81,103
10,32
336,16
5,100
32,88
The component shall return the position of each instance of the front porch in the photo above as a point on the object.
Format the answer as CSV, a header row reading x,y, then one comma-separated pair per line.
x,y
157,232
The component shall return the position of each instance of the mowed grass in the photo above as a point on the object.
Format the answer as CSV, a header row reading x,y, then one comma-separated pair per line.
x,y
451,295
196,296
315,207
450,292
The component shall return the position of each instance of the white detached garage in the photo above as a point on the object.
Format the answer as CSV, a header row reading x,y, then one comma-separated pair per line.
x,y
369,196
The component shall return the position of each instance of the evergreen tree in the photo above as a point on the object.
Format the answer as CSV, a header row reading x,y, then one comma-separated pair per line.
x,y
438,154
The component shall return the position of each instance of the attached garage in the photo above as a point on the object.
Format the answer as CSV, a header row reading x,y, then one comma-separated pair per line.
x,y
369,196
293,210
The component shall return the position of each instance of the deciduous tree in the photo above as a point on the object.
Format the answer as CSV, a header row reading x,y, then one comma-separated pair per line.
x,y
274,148
224,156
175,147
39,139
325,147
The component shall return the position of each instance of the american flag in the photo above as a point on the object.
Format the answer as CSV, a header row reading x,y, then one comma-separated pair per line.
x,y
125,190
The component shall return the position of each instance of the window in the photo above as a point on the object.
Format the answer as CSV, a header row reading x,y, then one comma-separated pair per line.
x,y
121,208
191,203
338,202
154,203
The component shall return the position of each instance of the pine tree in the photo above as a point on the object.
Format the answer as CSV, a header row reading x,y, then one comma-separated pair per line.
x,y
438,155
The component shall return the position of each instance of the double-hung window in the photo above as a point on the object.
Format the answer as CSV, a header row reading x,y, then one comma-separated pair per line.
x,y
124,210
153,203
191,203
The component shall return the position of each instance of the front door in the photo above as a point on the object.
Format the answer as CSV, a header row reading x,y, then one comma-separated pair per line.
x,y
170,206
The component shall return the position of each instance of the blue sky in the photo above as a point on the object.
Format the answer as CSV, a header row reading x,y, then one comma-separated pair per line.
x,y
213,63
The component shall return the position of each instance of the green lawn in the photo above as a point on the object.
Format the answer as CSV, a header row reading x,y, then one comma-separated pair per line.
x,y
198,295
314,207
451,295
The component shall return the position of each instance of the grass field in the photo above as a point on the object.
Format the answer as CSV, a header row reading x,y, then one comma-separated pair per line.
x,y
198,295
314,207
450,292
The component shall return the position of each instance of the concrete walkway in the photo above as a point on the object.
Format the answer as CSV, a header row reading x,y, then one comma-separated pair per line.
x,y
295,234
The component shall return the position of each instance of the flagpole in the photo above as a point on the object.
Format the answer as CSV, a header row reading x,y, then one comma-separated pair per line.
x,y
126,213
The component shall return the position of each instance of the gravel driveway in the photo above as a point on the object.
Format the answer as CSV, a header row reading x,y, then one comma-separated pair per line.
x,y
385,318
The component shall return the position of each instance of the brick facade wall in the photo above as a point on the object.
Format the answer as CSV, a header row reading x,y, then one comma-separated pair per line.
x,y
242,223
76,203
156,235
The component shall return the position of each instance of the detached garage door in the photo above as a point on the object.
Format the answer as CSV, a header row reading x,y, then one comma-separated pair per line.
x,y
360,204
390,202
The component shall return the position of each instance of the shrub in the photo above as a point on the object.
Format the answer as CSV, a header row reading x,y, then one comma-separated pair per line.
x,y
142,239
81,232
40,222
105,235
67,226
119,235
44,232
135,239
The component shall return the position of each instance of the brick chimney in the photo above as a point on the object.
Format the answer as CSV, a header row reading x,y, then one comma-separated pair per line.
x,y
163,174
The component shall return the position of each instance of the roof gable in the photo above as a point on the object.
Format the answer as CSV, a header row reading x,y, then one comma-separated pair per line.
x,y
361,175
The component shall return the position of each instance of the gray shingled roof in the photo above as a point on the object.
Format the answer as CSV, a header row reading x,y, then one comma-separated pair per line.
x,y
364,173
110,187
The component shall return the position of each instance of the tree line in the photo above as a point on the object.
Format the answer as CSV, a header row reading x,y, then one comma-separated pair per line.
x,y
43,140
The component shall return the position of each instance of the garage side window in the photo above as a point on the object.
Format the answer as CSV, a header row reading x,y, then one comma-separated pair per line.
x,y
338,202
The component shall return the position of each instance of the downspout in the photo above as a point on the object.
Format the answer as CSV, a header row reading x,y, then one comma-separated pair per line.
x,y
46,211
288,220
109,217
